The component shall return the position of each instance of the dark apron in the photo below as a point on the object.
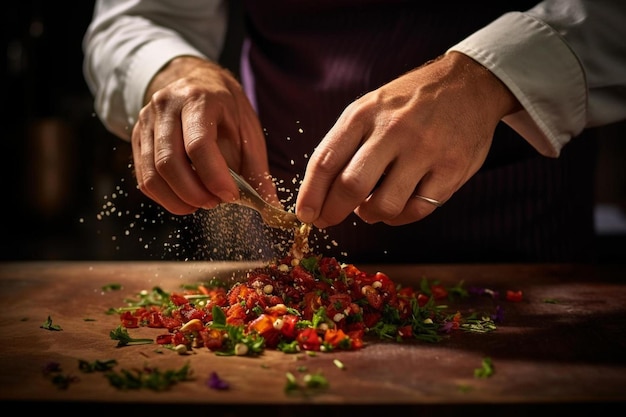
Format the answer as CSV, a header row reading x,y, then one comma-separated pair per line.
x,y
304,61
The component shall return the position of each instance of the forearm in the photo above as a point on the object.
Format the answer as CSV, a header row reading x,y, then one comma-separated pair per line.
x,y
565,76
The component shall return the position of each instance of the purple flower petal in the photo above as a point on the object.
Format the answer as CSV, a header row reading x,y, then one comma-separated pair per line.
x,y
447,327
215,382
51,367
498,316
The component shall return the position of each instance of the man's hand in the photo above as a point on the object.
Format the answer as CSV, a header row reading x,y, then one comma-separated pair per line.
x,y
196,123
425,133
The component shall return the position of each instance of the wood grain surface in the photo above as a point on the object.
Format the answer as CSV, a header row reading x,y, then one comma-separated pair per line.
x,y
563,345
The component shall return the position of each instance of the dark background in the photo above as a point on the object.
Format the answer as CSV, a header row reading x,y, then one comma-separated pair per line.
x,y
68,192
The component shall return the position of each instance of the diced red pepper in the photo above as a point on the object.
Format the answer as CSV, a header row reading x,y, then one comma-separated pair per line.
x,y
289,329
308,339
514,296
439,292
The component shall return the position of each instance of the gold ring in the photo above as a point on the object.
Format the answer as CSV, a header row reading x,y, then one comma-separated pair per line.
x,y
432,201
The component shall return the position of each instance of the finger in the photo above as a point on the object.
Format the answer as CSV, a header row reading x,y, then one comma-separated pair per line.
x,y
389,198
210,140
429,195
148,179
173,164
327,176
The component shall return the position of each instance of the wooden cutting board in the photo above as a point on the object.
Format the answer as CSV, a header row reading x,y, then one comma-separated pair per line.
x,y
565,343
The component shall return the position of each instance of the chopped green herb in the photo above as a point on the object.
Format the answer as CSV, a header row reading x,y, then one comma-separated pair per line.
x,y
310,383
292,383
120,334
315,381
486,370
96,366
112,287
150,378
62,381
478,325
49,326
465,388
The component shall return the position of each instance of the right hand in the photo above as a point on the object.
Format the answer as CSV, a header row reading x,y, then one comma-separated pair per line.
x,y
196,123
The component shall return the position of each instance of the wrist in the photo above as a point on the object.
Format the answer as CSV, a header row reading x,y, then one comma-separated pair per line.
x,y
175,69
502,101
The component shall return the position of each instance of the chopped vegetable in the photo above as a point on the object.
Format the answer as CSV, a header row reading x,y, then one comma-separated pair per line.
x,y
514,296
339,364
310,383
120,334
486,370
111,287
150,378
53,371
96,366
49,326
313,304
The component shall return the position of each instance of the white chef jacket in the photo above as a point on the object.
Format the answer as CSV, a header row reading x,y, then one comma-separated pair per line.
x,y
564,60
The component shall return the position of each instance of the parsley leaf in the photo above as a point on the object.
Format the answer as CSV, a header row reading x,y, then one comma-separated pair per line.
x,y
49,326
486,370
120,334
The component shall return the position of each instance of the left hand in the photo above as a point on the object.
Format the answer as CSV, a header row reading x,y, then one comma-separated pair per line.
x,y
426,132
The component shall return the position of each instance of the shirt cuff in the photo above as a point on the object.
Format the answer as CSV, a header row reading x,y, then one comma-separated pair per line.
x,y
539,68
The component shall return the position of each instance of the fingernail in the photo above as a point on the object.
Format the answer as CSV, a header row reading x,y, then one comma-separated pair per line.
x,y
227,197
306,214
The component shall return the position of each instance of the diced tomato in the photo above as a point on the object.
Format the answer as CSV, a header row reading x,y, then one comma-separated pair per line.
x,y
330,268
422,299
235,315
338,304
288,328
438,291
311,304
372,296
387,286
405,332
308,339
154,319
303,278
128,320
370,318
356,343
170,323
178,299
514,296
165,339
212,338
179,338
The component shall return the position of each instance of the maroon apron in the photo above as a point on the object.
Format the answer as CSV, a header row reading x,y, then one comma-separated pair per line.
x,y
304,61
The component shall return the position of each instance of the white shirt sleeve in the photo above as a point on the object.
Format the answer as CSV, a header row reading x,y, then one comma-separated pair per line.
x,y
128,41
564,60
